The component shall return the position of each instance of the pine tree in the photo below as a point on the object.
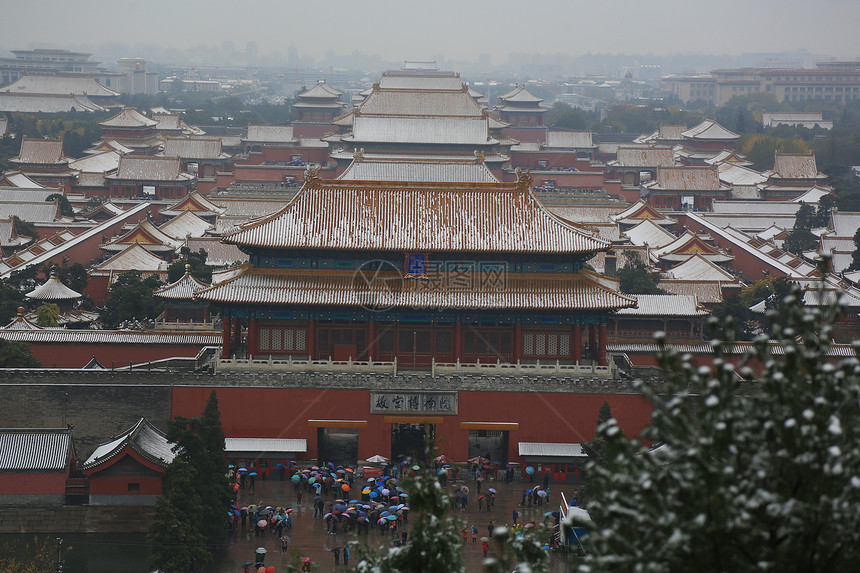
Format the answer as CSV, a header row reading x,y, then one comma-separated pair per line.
x,y
174,535
759,474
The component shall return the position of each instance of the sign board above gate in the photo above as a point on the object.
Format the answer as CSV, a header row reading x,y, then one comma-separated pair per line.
x,y
390,402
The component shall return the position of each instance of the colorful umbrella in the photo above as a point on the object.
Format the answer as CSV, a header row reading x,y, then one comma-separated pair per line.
x,y
296,478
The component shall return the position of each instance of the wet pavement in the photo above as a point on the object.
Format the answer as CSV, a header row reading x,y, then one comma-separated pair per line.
x,y
309,538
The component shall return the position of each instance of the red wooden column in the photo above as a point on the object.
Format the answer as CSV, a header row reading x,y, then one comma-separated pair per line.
x,y
458,341
312,339
237,333
252,337
592,341
518,342
371,338
577,342
601,345
225,339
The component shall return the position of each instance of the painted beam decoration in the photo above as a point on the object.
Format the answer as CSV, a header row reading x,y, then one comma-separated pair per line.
x,y
393,402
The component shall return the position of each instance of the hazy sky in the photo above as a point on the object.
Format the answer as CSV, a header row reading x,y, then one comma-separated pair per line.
x,y
455,29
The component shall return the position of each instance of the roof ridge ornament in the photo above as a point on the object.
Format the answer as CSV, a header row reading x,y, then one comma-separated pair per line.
x,y
312,176
480,157
524,179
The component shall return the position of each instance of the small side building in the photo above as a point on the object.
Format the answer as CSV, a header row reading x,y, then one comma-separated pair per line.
x,y
129,469
35,466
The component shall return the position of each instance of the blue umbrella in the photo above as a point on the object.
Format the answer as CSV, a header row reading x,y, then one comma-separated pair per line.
x,y
530,470
242,470
252,474
374,494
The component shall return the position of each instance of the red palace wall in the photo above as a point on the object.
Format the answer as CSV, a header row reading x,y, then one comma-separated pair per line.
x,y
284,413
133,468
33,483
66,355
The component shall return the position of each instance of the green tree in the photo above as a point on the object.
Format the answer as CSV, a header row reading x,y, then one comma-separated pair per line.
x,y
800,240
30,556
805,217
759,475
760,149
177,544
200,442
16,355
131,298
66,209
25,228
48,315
565,116
855,256
74,276
518,554
636,278
199,269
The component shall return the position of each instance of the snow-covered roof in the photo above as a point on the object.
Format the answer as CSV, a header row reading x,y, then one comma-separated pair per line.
x,y
420,103
687,179
18,179
520,95
218,254
649,233
128,117
699,268
754,208
551,450
53,289
194,148
545,291
645,157
182,289
564,139
105,162
144,438
187,224
495,217
733,174
814,195
394,170
709,130
195,202
34,212
429,130
35,103
845,223
795,166
145,234
41,152
270,134
145,168
133,258
58,84
265,445
664,305
423,80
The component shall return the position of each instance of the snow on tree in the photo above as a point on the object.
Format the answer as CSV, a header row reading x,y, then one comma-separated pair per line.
x,y
753,472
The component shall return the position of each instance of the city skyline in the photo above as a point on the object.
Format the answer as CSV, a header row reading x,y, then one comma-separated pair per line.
x,y
445,30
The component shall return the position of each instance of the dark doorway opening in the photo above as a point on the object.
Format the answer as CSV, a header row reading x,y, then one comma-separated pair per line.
x,y
337,445
490,444
412,440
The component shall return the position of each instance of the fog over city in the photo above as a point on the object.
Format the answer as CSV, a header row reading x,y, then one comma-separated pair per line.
x,y
445,30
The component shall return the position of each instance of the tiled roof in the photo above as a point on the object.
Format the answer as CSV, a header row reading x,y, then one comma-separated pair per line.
x,y
218,254
585,213
59,85
562,139
133,258
129,117
321,90
750,223
434,130
688,244
31,212
386,290
183,289
496,217
814,195
35,449
420,103
687,179
144,438
144,168
186,225
397,80
26,195
732,174
145,234
53,289
671,132
699,268
639,211
194,148
706,292
845,223
664,305
71,336
18,179
35,103
265,445
645,157
728,156
167,121
755,208
709,130
41,151
195,202
520,95
105,162
270,134
796,166
452,171
649,233
551,450
737,349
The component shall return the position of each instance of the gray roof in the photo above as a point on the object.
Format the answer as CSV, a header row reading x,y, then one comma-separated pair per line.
x,y
183,289
26,194
645,157
129,117
53,289
68,336
456,131
35,449
454,171
144,168
59,85
144,438
551,450
409,103
42,212
34,103
41,151
270,134
218,254
397,80
187,224
710,130
265,445
845,223
97,163
568,139
664,305
196,148
134,257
